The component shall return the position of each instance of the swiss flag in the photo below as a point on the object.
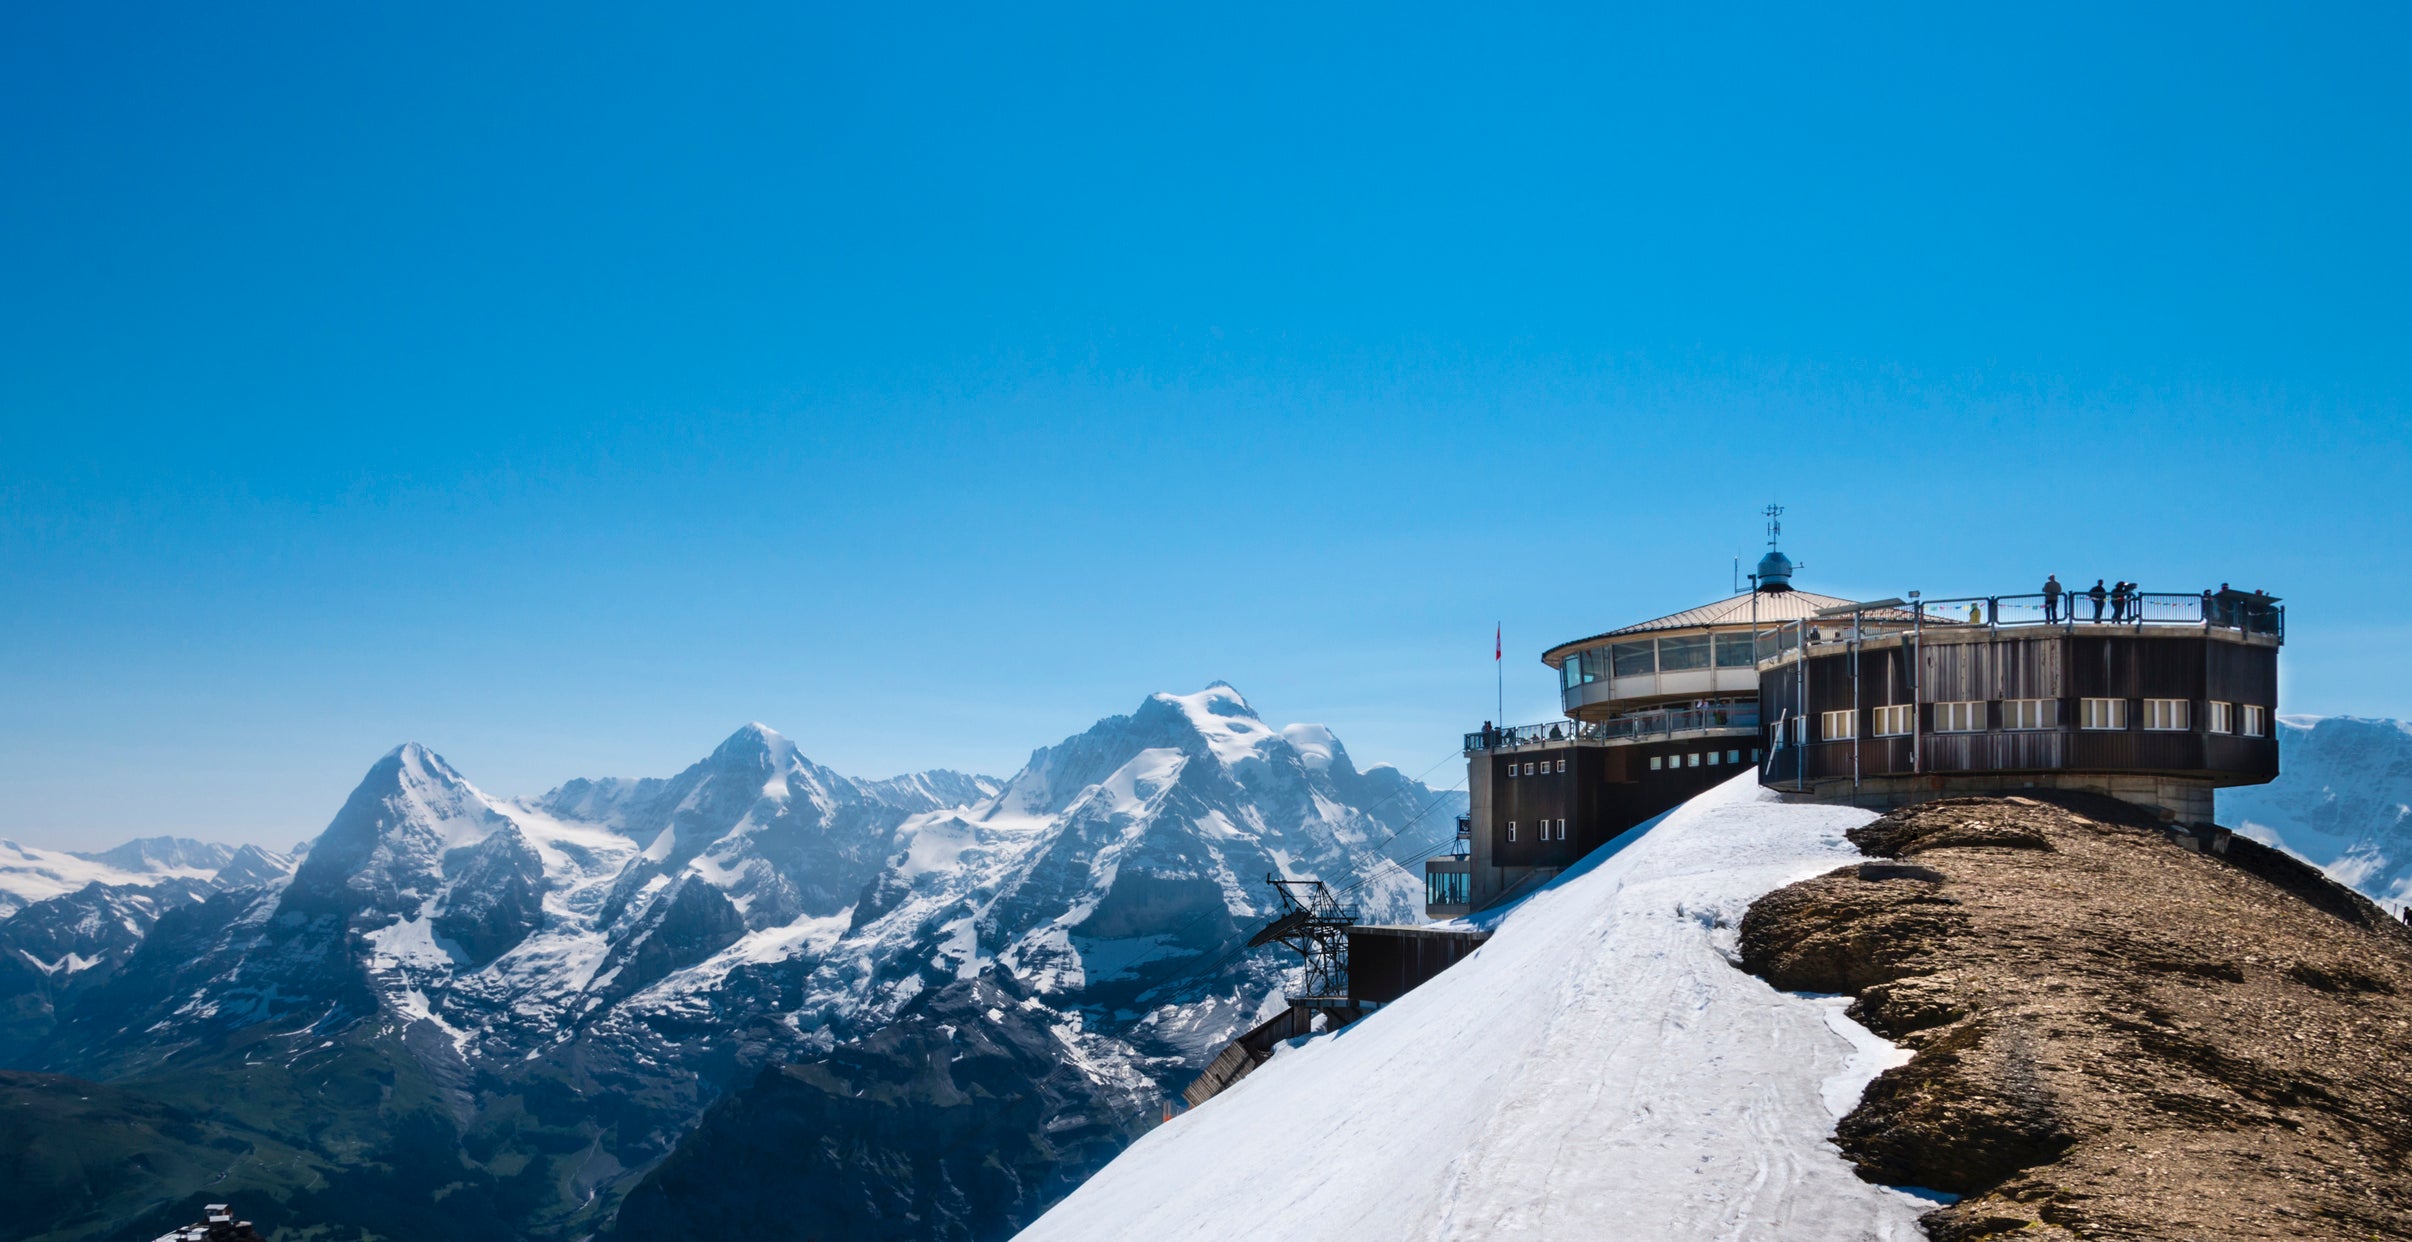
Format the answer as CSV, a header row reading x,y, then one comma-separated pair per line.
x,y
1496,648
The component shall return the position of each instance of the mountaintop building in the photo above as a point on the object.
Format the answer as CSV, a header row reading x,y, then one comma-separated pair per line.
x,y
2150,697
2154,698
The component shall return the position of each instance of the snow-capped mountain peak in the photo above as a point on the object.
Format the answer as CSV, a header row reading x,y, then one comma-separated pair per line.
x,y
411,819
1231,730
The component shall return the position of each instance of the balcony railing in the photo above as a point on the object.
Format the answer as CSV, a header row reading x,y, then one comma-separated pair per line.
x,y
1638,727
2240,611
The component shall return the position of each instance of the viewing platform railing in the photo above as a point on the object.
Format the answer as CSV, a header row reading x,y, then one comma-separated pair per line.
x,y
1641,726
2239,611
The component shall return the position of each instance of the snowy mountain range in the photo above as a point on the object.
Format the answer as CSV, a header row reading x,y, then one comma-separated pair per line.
x,y
29,874
2342,801
567,981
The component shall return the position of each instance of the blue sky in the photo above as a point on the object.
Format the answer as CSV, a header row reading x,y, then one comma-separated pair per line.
x,y
567,386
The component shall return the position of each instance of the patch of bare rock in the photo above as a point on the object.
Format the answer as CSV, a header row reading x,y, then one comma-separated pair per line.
x,y
2115,1036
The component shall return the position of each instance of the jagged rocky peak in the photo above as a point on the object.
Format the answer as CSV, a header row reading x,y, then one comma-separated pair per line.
x,y
393,832
1215,727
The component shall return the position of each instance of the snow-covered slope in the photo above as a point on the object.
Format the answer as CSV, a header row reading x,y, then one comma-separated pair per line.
x,y
2342,800
1599,1069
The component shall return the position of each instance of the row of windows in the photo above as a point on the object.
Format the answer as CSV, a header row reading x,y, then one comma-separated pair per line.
x,y
1662,655
1545,829
1693,760
1544,766
1968,716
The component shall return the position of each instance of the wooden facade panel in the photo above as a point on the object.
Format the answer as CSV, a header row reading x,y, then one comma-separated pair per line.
x,y
2250,756
2056,666
2240,674
2134,750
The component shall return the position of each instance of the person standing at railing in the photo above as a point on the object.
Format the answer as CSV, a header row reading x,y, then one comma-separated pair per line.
x,y
2097,593
1976,613
2051,594
2118,600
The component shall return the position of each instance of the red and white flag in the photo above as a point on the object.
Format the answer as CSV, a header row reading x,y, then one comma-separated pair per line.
x,y
1496,648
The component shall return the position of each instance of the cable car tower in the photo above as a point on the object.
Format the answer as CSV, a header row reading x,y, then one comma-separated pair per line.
x,y
1315,924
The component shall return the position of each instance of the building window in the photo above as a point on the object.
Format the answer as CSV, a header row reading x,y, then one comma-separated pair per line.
x,y
1511,770
1837,726
1896,720
2101,713
1694,760
2255,723
1964,716
2165,715
1756,754
2030,713
1561,765
2221,718
1712,758
1737,651
1633,659
1561,830
1511,830
1528,769
1735,756
1678,654
1654,763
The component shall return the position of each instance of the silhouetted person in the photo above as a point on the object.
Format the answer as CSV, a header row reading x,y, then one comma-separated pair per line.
x,y
2051,598
2118,599
2097,593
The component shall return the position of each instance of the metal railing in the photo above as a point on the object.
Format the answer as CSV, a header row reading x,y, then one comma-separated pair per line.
x,y
1636,727
2246,611
2240,611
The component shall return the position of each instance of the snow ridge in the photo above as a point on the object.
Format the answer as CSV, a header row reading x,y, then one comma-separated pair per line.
x,y
1599,1069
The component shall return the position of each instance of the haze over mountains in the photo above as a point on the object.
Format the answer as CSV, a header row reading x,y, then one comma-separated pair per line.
x,y
536,998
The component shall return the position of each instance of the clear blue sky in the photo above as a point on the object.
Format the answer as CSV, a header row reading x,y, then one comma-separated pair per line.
x,y
565,386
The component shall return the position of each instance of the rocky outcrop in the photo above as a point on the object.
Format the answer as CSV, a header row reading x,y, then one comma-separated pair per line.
x,y
2115,1035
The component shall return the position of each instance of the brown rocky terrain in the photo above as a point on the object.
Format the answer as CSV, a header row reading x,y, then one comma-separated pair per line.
x,y
2116,1036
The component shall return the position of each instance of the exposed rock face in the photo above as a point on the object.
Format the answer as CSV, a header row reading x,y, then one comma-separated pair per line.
x,y
2115,1037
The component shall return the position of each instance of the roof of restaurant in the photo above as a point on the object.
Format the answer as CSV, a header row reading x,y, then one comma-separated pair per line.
x,y
1776,606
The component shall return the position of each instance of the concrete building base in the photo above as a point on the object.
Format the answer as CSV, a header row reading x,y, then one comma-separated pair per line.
x,y
2179,799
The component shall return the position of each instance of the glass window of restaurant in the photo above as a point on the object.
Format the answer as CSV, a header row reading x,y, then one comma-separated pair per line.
x,y
1736,651
1679,654
1634,659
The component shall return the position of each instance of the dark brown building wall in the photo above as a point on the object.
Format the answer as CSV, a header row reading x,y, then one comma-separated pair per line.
x,y
2062,667
1603,792
1385,964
